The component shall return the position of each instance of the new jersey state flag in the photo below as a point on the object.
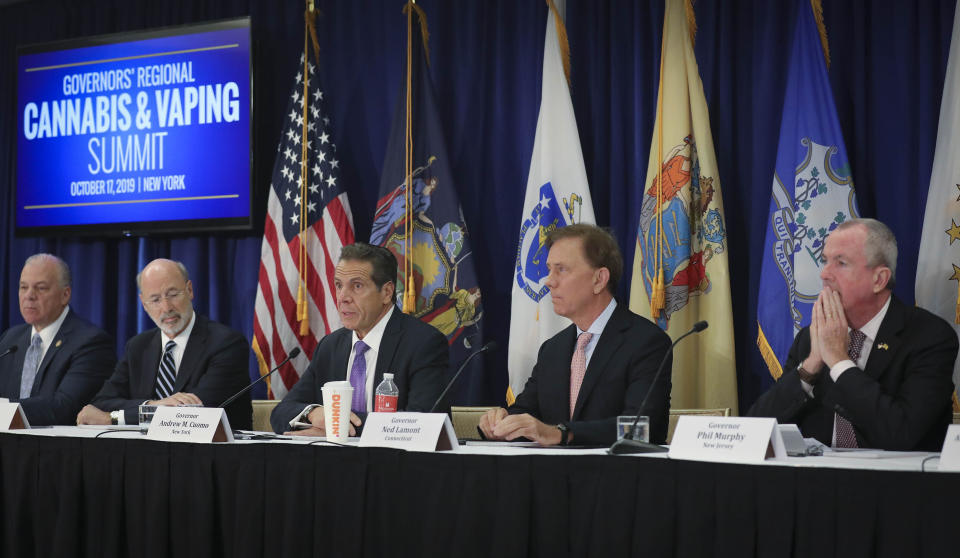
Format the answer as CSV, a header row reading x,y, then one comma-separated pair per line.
x,y
557,195
812,193
682,231
938,267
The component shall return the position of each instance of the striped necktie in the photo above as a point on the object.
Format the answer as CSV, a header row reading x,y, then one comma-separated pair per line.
x,y
168,372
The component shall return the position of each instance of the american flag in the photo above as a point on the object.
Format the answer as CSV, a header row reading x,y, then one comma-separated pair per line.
x,y
317,212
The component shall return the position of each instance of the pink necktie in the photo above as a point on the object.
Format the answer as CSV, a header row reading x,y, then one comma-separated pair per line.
x,y
578,368
846,437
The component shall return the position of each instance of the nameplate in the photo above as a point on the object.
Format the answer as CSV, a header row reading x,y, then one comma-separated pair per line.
x,y
12,417
950,454
190,424
726,439
409,431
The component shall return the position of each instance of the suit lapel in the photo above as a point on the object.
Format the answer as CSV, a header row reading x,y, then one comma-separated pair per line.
x,y
888,339
560,400
392,334
16,362
62,336
150,365
610,339
191,354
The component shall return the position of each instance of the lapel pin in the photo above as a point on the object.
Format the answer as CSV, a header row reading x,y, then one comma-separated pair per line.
x,y
883,346
58,343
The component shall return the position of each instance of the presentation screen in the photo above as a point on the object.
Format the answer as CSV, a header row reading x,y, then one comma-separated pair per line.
x,y
136,132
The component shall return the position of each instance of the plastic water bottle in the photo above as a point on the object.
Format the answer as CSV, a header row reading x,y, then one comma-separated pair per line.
x,y
387,395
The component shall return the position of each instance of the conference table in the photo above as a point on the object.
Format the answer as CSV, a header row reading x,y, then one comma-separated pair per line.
x,y
71,491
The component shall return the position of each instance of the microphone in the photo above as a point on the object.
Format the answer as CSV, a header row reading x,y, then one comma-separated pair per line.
x,y
627,444
491,346
9,350
293,354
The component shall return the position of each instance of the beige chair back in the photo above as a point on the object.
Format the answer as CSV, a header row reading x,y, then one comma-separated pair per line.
x,y
466,420
676,413
261,414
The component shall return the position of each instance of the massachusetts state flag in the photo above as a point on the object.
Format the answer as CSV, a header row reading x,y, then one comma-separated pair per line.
x,y
680,272
812,193
557,195
308,221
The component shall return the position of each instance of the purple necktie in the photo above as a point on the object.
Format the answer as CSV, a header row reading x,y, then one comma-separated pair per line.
x,y
358,377
846,437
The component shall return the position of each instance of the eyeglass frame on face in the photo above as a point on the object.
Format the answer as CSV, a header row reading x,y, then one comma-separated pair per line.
x,y
171,296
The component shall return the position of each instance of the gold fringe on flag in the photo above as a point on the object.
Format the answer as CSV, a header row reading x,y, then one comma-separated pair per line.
x,y
818,17
773,365
691,21
956,404
309,30
657,294
956,314
561,40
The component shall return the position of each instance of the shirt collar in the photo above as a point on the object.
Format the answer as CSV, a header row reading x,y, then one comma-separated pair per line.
x,y
871,328
375,335
48,333
596,328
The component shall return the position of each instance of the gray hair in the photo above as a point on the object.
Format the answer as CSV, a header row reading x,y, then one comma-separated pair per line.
x,y
180,266
66,279
880,247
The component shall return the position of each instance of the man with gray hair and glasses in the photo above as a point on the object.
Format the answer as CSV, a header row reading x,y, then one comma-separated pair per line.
x,y
187,360
869,371
56,361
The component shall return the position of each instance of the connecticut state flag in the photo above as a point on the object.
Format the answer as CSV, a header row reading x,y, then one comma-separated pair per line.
x,y
812,193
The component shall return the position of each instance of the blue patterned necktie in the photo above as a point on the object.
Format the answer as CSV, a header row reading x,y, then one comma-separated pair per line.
x,y
358,377
168,372
31,363
846,437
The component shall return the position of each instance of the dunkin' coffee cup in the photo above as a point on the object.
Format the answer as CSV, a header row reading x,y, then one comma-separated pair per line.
x,y
336,410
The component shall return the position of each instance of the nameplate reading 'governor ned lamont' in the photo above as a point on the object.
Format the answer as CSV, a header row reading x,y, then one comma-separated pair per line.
x,y
950,454
190,424
409,431
11,416
728,439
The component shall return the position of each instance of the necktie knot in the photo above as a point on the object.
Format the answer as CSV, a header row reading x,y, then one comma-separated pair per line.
x,y
583,340
360,348
169,346
36,341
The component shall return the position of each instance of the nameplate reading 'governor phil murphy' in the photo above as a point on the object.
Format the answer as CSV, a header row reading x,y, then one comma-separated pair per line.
x,y
11,416
409,431
727,439
950,454
190,424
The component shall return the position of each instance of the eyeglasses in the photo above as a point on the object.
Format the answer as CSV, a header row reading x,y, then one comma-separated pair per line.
x,y
170,296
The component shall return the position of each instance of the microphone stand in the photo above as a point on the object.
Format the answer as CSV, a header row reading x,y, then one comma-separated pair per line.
x,y
627,444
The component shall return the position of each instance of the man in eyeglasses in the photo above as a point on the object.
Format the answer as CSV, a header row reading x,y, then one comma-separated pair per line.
x,y
188,359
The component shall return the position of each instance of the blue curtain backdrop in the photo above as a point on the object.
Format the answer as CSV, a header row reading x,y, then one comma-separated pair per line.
x,y
888,64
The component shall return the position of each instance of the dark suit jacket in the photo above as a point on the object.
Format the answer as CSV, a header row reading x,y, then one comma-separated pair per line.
x,y
73,369
214,367
416,353
618,377
901,400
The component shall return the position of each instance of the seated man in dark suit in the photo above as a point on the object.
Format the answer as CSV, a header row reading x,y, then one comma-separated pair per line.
x,y
599,367
869,371
55,362
188,359
376,338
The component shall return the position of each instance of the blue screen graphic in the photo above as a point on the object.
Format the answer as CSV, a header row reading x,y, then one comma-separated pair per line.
x,y
140,131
